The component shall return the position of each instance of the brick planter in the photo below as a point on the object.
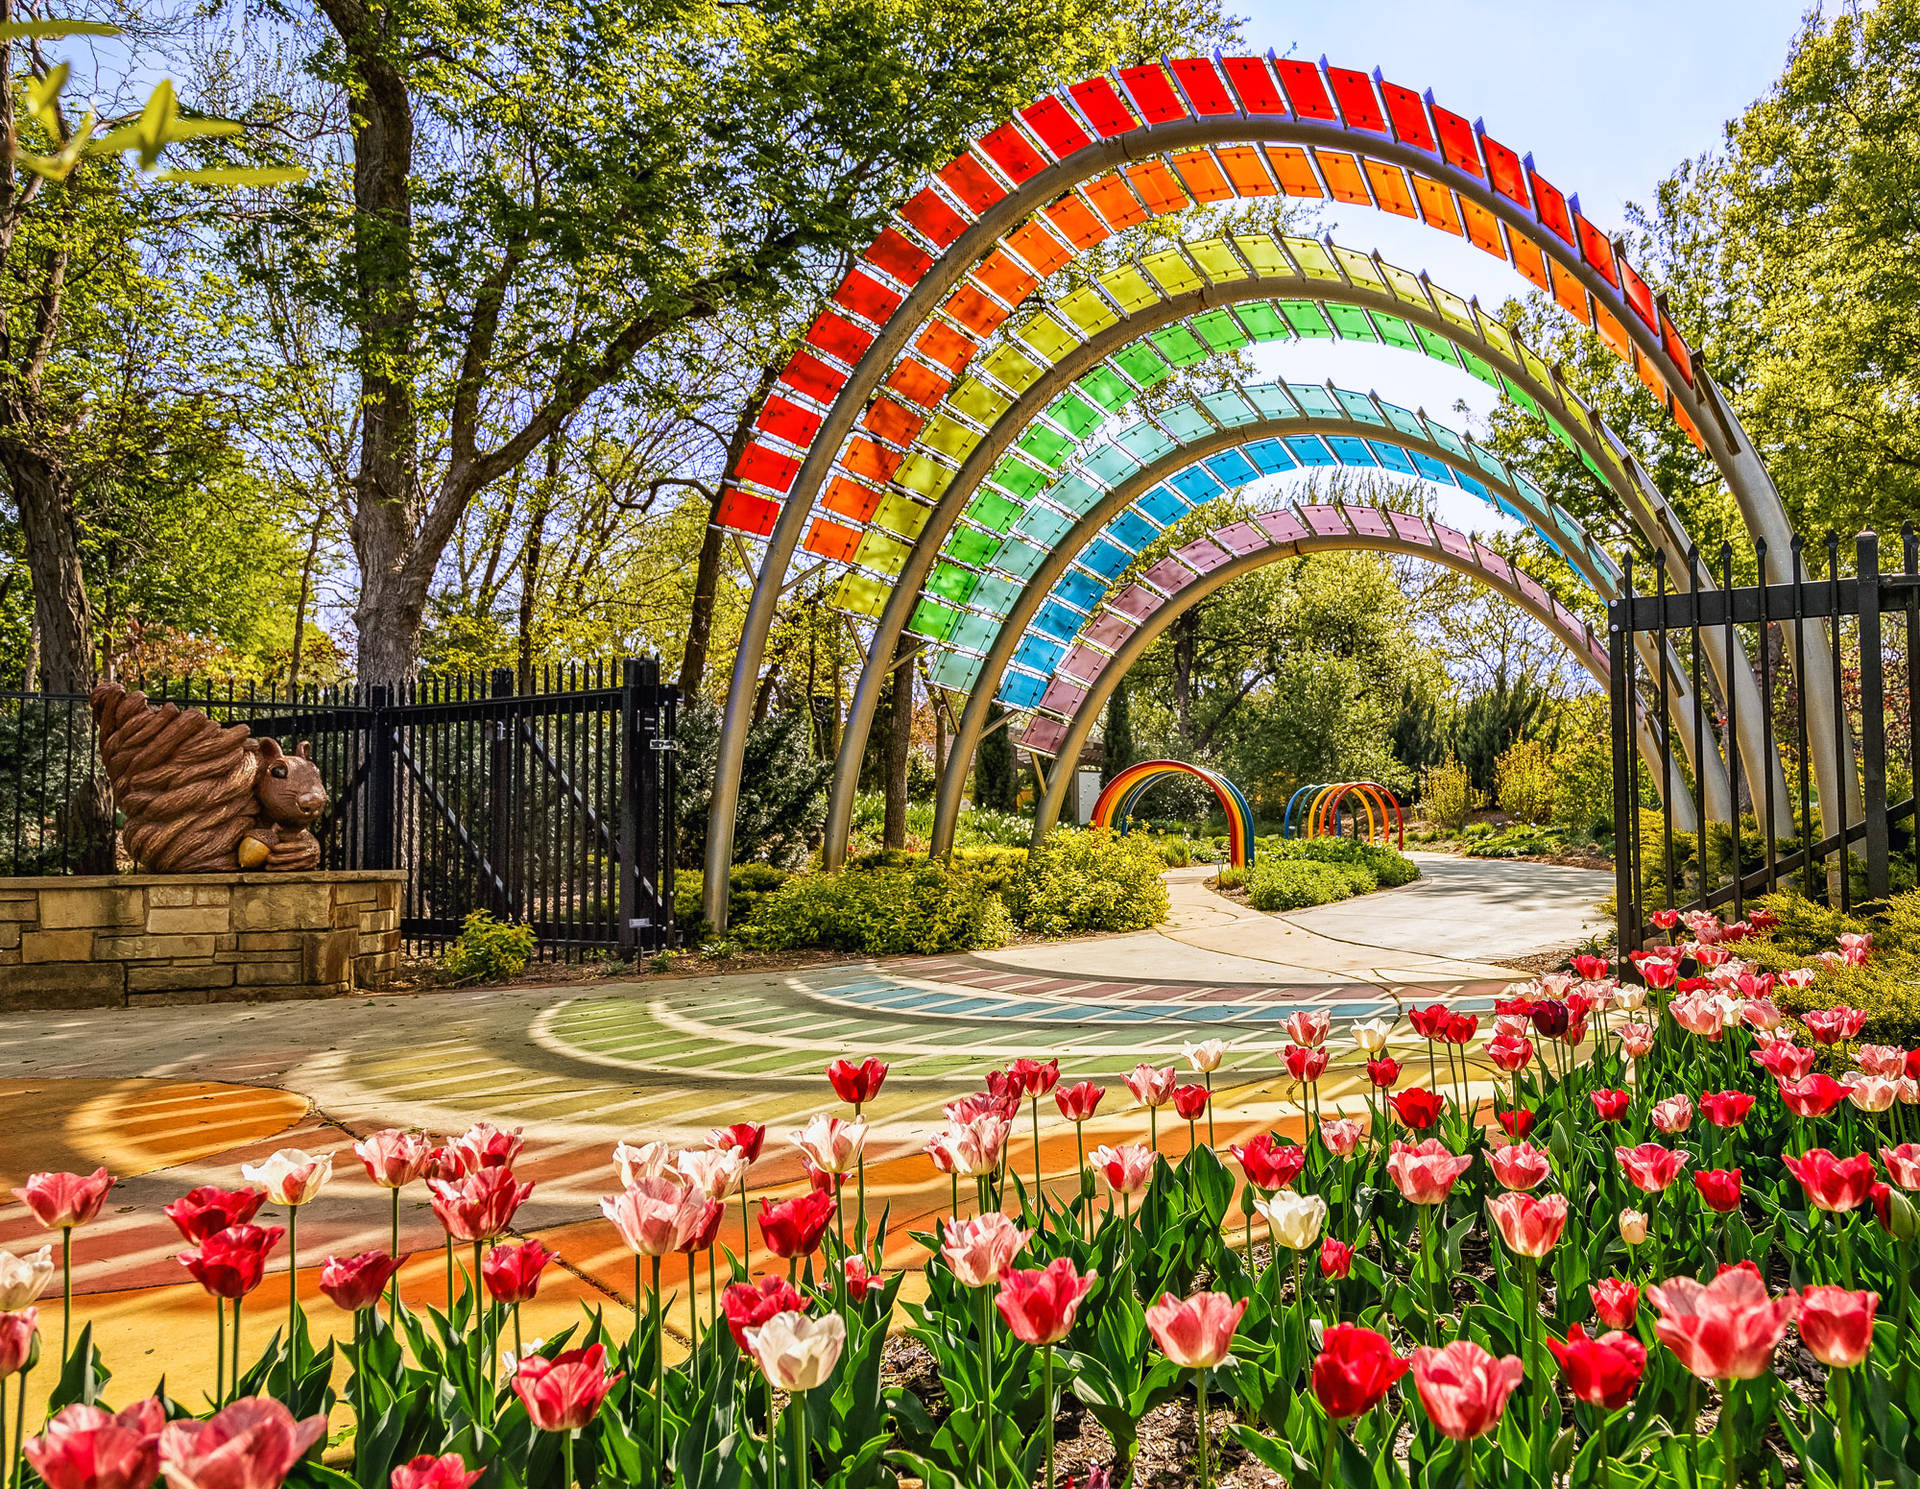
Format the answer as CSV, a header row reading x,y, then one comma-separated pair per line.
x,y
131,939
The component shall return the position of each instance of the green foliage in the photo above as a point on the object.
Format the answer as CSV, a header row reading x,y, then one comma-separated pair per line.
x,y
1448,795
1081,880
1388,867
1492,721
1887,988
783,789
1583,772
1294,883
1176,853
1524,781
488,950
747,885
884,908
1519,840
995,788
996,866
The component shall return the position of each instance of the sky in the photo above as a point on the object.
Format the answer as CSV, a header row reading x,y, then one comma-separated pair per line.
x,y
1609,97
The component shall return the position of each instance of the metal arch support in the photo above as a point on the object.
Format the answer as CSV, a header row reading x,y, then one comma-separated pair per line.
x,y
1047,808
1727,443
968,732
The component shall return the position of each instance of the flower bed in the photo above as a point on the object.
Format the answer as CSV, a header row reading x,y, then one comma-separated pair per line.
x,y
1590,1287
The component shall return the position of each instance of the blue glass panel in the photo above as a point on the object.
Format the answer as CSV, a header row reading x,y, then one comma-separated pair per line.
x,y
1195,484
1432,469
1018,558
1474,488
1162,505
1039,653
1392,457
1229,407
1315,400
1271,456
1186,422
1503,505
1044,525
1145,442
1079,589
1105,558
1109,463
1351,451
1232,467
1057,621
1358,406
1022,689
1308,450
1132,531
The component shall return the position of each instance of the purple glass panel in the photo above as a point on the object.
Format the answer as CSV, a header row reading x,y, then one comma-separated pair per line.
x,y
1085,663
1411,529
1063,695
1328,522
1043,735
1240,538
1108,628
1493,563
1532,591
1202,555
1283,526
1169,576
1368,522
1456,543
1136,600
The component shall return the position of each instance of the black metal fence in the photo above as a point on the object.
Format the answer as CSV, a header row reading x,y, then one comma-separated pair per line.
x,y
554,806
1849,852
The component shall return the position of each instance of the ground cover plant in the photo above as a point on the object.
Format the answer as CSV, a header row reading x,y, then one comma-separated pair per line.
x,y
1585,1279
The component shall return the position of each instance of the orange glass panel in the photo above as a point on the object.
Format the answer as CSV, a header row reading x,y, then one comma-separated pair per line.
x,y
975,309
999,273
831,540
1202,176
1677,349
1114,202
898,257
1075,221
1655,383
1483,228
893,422
1157,187
1038,247
1687,427
1436,205
1294,172
943,344
1390,188
1571,295
876,462
1242,164
1612,332
1343,177
918,383
851,499
1528,259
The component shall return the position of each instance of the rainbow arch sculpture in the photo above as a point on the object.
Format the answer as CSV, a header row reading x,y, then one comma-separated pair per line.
x,y
857,446
1116,801
1323,812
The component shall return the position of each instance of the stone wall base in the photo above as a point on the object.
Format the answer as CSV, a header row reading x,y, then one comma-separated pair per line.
x,y
133,940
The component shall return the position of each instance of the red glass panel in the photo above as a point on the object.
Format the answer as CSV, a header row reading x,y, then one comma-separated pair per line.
x,y
1059,131
1456,139
1013,152
918,383
1101,102
1504,170
1295,174
975,309
1638,295
898,257
943,344
1039,247
1077,223
1528,259
1153,93
1354,90
1202,176
1305,89
831,540
1677,349
864,295
1408,115
789,421
1550,206
937,222
808,374
765,466
1156,186
1242,164
744,512
1114,202
1201,83
1596,250
1390,188
851,499
1259,94
876,462
893,422
1436,205
1483,228
1008,281
1343,177
840,337
968,180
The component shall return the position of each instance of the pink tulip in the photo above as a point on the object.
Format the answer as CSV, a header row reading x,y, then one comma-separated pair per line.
x,y
1426,1172
1725,1330
1881,1059
16,1339
449,1471
1529,1226
85,1447
1152,1087
357,1282
1305,1064
832,1144
1871,1093
1836,1325
485,1146
1675,1114
1309,1027
977,1250
1127,1167
252,1444
394,1159
481,1206
62,1201
1903,1164
1519,1165
1783,1059
1195,1333
1636,1040
1341,1135
1039,1306
564,1394
655,1216
1463,1388
1650,1167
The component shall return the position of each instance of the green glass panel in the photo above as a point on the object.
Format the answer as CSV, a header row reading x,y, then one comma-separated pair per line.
x,y
993,512
1396,332
1075,415
1180,346
931,618
1222,331
952,582
996,593
971,546
1519,395
1019,558
1358,406
1446,438
1263,322
1305,318
1560,433
1106,388
1048,446
1436,346
954,671
1352,323
1139,363
1588,461
1479,368
1018,477
975,632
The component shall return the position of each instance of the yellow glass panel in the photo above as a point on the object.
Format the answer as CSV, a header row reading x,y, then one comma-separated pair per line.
x,y
1170,269
1213,255
859,594
1129,288
1047,337
950,437
1088,311
929,478
882,554
1012,367
1453,307
1360,269
979,402
1263,253
1497,336
1405,285
1534,365
1312,258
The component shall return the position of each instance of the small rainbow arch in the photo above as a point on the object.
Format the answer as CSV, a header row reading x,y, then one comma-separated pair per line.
x,y
1322,813
1115,806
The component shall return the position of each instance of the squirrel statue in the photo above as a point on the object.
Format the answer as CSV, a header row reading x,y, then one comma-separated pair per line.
x,y
201,797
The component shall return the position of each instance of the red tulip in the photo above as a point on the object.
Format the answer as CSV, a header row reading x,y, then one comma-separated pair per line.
x,y
85,1447
1519,1165
1903,1164
1305,1063
1530,1226
564,1394
1463,1388
1383,1072
1591,968
1784,1060
1913,1064
1719,1188
486,1146
206,1211
428,1472
1077,1102
1601,1372
1336,1258
512,1273
857,1084
1726,1108
481,1206
1518,1123
1036,1077
394,1159
252,1444
1650,1167
1836,1325
1039,1305
62,1201
1128,1168
745,1136
1353,1370
748,1306
1832,1184
357,1282
705,1230
1658,972
1269,1165
794,1227
1666,920
1308,1026
1725,1330
1509,1052
1152,1085
1425,1173
1430,1022
230,1263
1814,1096
1418,1108
1196,1332
1550,1019
1610,1106
1461,1027
1190,1101
17,1331
1616,1302
859,1280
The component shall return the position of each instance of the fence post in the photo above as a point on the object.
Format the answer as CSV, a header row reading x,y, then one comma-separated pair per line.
x,y
500,814
1626,819
380,779
636,781
1873,720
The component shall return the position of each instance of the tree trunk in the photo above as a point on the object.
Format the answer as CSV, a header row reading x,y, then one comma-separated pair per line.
x,y
899,747
1116,750
706,571
62,614
1186,642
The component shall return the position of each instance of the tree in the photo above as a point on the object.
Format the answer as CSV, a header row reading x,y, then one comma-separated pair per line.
x,y
995,786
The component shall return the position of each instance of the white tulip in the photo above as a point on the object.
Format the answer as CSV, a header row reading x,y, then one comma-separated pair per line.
x,y
711,1171
291,1176
1206,1056
1297,1219
24,1278
798,1352
1370,1036
648,1161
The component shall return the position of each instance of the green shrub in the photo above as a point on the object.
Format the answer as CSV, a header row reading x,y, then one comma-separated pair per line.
x,y
488,950
881,909
1887,988
1583,784
1388,868
1448,795
1175,853
1294,883
747,885
1232,876
1523,781
994,866
1090,880
978,826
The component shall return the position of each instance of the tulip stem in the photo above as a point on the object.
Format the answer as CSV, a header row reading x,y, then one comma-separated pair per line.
x,y
449,1277
20,1426
773,1438
1903,1309
293,1294
1200,1389
1046,1378
797,1415
986,1378
393,1285
1842,1381
219,1351
566,1454
66,1291
693,1325
1729,1469
1153,1128
659,1372
233,1376
1209,1080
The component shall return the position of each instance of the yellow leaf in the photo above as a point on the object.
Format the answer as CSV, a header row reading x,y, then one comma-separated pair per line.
x,y
237,176
53,30
42,93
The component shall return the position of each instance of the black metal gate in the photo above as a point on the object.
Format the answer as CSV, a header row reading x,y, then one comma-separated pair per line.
x,y
554,806
1868,624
